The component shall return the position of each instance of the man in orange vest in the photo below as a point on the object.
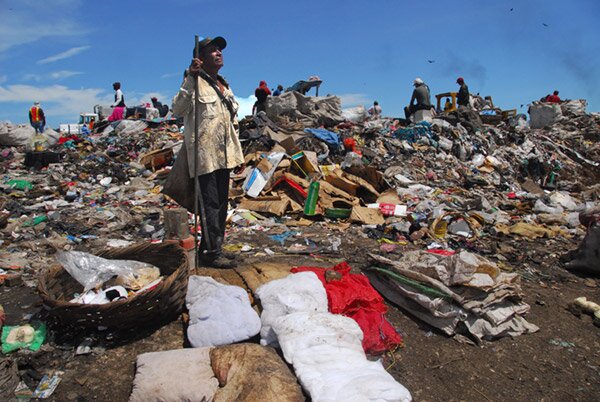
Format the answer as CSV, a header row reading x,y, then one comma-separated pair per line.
x,y
37,118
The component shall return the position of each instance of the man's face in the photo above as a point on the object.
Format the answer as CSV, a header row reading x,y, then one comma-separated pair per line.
x,y
212,57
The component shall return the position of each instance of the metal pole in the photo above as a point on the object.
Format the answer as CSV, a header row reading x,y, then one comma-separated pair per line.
x,y
197,190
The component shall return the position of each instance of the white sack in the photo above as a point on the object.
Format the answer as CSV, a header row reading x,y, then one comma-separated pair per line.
x,y
301,292
14,135
130,127
544,114
355,114
564,200
219,314
326,352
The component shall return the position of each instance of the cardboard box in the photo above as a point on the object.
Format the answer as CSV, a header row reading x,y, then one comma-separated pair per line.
x,y
302,163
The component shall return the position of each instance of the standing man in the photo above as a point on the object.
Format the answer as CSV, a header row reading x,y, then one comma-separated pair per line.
x,y
219,148
118,105
463,93
37,118
421,96
261,93
119,98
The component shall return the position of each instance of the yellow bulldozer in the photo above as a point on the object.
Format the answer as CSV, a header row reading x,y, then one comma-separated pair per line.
x,y
493,115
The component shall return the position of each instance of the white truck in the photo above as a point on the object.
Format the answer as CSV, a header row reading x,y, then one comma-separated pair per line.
x,y
84,119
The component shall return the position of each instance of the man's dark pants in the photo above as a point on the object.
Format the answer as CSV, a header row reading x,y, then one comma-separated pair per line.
x,y
214,187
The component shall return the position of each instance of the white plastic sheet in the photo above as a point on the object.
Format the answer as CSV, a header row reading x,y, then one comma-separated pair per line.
x,y
92,271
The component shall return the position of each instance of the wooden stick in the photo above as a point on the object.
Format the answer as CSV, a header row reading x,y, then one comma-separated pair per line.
x,y
199,200
482,394
448,362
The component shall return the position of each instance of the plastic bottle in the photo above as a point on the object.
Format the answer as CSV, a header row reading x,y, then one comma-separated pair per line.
x,y
310,207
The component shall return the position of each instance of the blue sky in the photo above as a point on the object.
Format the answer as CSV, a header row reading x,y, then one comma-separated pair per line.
x,y
67,53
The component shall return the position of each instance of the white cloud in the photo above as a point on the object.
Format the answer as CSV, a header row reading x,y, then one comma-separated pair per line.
x,y
64,55
3,79
245,106
56,100
58,75
170,75
28,21
32,77
350,100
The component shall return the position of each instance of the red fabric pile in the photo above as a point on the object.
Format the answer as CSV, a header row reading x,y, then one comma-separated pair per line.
x,y
354,297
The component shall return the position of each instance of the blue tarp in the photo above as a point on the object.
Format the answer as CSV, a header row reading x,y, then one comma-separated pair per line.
x,y
325,135
413,132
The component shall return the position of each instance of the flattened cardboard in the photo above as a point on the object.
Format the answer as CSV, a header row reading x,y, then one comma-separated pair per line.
x,y
271,205
371,175
335,178
367,216
264,165
389,197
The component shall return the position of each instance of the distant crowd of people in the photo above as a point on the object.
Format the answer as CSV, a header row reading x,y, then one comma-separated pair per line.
x,y
420,100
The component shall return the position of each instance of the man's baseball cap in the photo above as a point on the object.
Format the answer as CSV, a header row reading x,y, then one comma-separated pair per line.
x,y
219,41
460,80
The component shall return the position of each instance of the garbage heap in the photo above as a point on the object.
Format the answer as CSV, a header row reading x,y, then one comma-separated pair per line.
x,y
443,188
435,196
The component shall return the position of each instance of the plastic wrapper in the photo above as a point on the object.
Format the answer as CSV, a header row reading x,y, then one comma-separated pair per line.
x,y
92,271
140,278
23,336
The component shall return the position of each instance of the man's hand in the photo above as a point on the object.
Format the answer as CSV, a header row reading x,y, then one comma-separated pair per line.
x,y
239,169
195,66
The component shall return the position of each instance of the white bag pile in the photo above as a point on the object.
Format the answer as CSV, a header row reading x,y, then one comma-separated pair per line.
x,y
325,349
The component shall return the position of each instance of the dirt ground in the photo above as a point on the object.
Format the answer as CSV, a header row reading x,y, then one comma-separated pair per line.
x,y
560,362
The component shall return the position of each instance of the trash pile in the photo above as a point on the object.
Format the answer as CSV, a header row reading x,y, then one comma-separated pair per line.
x,y
462,293
435,196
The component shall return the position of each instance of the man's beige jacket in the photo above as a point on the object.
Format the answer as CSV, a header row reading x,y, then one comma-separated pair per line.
x,y
218,143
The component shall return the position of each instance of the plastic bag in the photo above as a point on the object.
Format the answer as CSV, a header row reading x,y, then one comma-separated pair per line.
x,y
23,336
92,271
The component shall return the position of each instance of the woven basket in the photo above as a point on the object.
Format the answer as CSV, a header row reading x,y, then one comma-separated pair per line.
x,y
148,309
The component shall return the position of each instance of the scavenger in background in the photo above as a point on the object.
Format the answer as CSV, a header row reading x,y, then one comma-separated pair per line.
x,y
37,118
554,98
119,98
278,91
420,99
463,93
375,110
118,105
261,93
219,148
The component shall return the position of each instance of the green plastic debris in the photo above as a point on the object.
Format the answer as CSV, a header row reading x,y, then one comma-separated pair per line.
x,y
23,185
30,336
36,221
